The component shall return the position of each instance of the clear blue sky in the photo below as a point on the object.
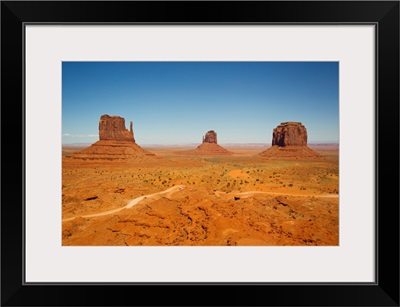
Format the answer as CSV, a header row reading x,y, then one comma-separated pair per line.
x,y
178,102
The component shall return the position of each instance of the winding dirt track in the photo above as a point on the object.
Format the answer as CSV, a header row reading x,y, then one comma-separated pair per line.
x,y
174,189
276,193
132,203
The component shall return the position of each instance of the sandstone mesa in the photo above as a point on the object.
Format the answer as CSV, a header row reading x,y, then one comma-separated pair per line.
x,y
209,145
210,137
113,128
116,143
289,139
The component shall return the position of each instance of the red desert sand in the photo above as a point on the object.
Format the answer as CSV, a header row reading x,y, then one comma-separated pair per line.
x,y
115,192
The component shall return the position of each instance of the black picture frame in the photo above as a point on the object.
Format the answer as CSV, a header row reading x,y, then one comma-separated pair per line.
x,y
383,14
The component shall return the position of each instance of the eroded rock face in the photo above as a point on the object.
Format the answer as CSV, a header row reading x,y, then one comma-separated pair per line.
x,y
210,137
113,128
116,144
289,140
289,134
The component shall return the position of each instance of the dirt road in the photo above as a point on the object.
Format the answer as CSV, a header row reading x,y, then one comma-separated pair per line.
x,y
132,203
250,193
174,189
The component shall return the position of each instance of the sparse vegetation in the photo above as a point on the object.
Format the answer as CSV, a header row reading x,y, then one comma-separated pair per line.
x,y
208,183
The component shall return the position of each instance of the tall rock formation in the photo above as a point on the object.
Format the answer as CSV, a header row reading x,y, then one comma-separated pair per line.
x,y
208,147
289,139
113,128
210,137
116,143
289,134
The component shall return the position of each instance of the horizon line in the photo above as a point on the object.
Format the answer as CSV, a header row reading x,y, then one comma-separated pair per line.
x,y
180,144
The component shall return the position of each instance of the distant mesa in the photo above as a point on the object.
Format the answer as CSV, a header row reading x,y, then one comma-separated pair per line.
x,y
209,145
210,137
289,139
116,143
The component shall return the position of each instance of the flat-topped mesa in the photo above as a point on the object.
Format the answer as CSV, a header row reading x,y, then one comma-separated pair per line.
x,y
289,134
116,144
289,140
210,137
208,147
113,128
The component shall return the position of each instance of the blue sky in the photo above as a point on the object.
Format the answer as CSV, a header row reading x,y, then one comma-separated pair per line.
x,y
178,102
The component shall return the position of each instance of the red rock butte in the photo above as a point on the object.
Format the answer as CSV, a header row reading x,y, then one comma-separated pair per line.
x,y
113,128
209,145
289,140
210,137
116,143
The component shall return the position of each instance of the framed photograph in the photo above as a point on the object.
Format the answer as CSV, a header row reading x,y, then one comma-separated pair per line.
x,y
249,149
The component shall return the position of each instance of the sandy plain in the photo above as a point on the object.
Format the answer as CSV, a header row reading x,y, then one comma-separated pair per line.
x,y
237,200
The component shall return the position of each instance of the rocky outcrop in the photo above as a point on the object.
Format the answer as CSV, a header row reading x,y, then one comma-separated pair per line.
x,y
289,140
289,134
290,152
113,150
113,128
210,137
211,149
208,147
116,143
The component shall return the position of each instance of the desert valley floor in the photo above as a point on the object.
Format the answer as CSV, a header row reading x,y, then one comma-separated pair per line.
x,y
178,198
